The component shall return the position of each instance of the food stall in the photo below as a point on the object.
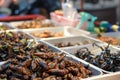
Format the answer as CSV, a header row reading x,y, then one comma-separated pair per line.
x,y
33,47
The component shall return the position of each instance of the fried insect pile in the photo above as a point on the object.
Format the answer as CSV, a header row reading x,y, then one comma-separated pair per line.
x,y
11,44
105,60
61,44
47,34
4,27
38,62
36,23
106,39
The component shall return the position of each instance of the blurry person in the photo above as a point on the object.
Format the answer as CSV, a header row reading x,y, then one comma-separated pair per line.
x,y
4,10
13,6
23,7
47,6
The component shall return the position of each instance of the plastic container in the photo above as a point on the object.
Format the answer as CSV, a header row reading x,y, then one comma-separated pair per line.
x,y
63,20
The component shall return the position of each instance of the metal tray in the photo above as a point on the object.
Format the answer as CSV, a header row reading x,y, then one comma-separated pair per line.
x,y
40,42
7,25
112,76
96,71
109,34
94,50
17,23
112,34
67,31
73,40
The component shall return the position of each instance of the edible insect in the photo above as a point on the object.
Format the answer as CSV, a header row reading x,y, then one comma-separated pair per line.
x,y
105,60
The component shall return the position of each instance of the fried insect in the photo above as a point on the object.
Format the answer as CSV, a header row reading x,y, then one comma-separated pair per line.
x,y
58,66
30,61
105,60
68,44
12,44
47,34
115,41
4,27
36,23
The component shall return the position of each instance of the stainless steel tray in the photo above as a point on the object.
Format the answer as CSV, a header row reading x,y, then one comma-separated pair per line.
x,y
94,50
96,71
67,31
55,49
112,34
109,34
72,41
112,76
17,23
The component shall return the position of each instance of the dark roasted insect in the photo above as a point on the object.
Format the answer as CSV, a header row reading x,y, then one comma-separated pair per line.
x,y
31,61
105,60
84,54
58,66
12,44
58,72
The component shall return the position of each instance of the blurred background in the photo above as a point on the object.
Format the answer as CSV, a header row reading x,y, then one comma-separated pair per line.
x,y
104,9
